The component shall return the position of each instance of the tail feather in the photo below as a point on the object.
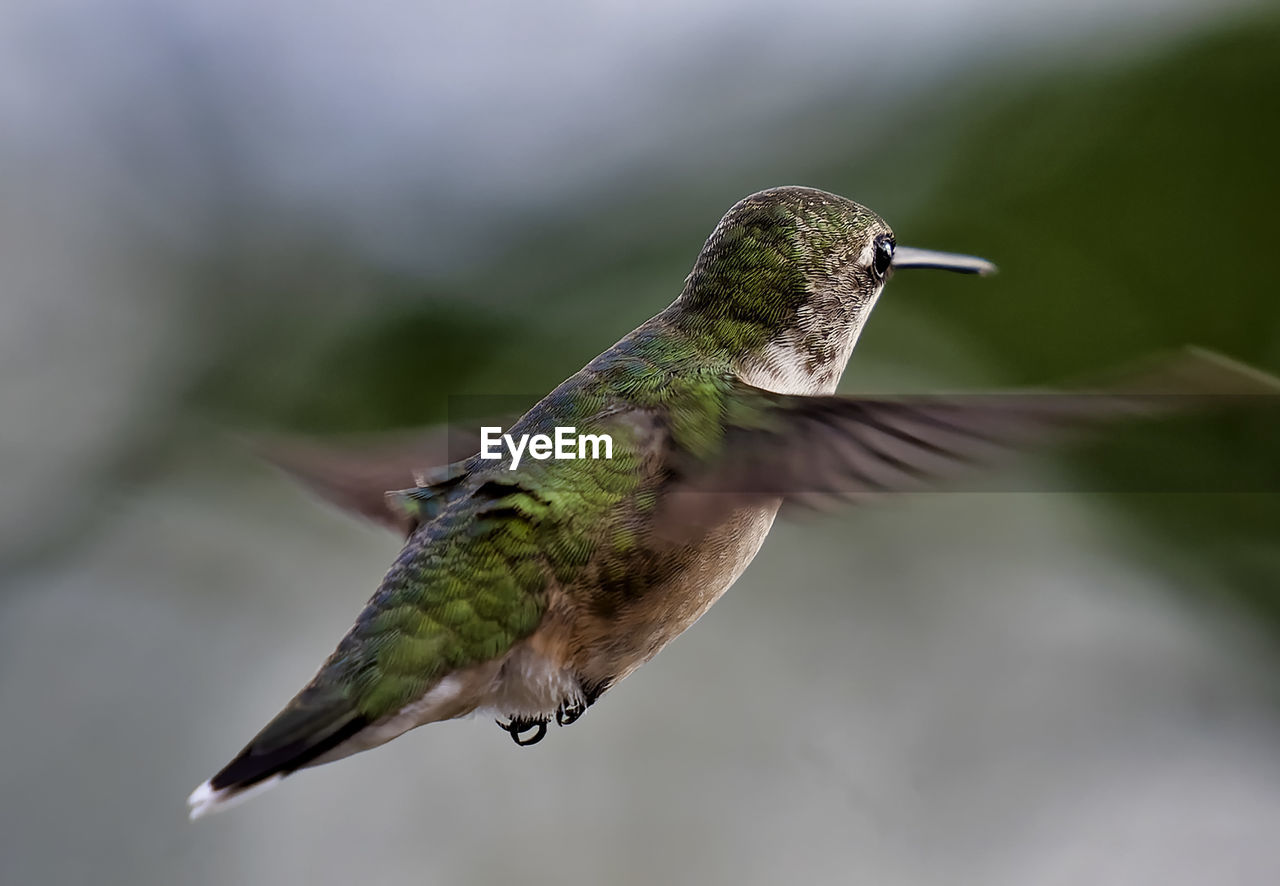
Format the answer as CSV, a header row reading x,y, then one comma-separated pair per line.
x,y
207,798
312,725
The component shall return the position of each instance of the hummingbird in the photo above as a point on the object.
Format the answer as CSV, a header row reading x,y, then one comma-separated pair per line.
x,y
528,591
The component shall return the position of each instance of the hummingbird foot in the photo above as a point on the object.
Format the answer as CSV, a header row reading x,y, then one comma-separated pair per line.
x,y
570,710
517,726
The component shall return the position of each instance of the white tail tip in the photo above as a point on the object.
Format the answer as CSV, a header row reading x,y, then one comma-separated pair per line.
x,y
206,799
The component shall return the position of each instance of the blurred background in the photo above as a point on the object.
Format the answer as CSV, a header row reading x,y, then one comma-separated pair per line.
x,y
224,219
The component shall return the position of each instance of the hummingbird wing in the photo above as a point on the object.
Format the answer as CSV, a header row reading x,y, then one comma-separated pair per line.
x,y
814,450
355,473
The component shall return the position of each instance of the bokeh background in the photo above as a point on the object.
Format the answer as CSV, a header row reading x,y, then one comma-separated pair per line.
x,y
223,219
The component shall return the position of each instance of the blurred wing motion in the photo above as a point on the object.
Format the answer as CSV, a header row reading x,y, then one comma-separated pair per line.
x,y
816,450
356,473
809,451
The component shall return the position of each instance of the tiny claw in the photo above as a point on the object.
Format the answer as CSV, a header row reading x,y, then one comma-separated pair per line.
x,y
570,711
519,725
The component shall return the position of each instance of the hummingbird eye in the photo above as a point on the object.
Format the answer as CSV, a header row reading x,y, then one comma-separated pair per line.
x,y
883,257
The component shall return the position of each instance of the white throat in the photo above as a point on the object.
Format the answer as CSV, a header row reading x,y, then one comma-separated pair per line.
x,y
810,358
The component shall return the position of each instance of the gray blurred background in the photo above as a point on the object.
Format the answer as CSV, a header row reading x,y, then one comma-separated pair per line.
x,y
220,219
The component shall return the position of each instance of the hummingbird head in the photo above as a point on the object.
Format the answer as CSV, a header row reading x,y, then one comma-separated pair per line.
x,y
786,281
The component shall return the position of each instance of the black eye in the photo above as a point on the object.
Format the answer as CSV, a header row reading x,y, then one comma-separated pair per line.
x,y
883,257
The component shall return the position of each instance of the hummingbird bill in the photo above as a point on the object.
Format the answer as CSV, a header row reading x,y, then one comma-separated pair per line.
x,y
526,594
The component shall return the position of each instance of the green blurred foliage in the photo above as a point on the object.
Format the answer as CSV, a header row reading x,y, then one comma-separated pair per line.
x,y
1129,209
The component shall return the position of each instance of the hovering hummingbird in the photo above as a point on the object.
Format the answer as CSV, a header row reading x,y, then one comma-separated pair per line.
x,y
528,593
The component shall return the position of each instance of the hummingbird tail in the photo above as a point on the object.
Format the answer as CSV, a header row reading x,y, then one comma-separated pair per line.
x,y
313,725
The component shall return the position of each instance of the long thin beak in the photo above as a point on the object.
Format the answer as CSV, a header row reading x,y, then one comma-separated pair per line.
x,y
907,257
